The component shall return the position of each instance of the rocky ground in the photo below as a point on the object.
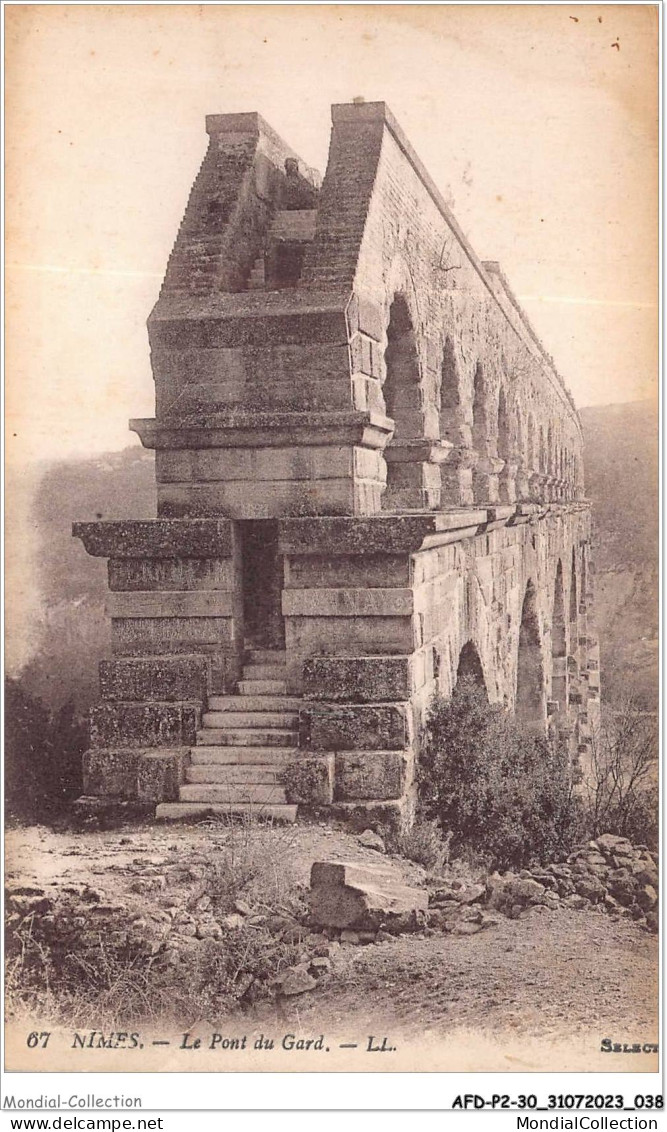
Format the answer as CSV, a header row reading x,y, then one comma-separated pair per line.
x,y
496,968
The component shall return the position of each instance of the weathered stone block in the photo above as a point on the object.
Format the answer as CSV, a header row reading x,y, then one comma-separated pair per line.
x,y
111,772
146,636
303,571
358,727
363,679
348,603
309,780
160,774
172,574
144,725
163,678
258,499
369,775
151,604
396,814
349,896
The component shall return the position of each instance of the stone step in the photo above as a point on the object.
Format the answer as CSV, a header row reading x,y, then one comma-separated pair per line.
x,y
250,737
242,756
262,687
253,703
234,719
266,656
264,672
183,811
225,792
256,775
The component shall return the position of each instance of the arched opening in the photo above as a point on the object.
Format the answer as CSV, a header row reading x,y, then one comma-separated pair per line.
x,y
583,597
485,474
451,414
480,417
470,666
530,699
559,642
530,446
504,437
402,392
507,449
574,605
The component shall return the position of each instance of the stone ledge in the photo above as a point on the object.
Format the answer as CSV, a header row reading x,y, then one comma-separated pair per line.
x,y
244,429
392,534
156,538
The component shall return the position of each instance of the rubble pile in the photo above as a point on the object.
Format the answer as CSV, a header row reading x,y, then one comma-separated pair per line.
x,y
608,874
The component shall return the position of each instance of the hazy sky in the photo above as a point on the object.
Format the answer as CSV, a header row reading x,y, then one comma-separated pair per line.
x,y
538,124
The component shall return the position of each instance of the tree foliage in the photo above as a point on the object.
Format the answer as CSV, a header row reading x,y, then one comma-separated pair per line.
x,y
498,789
43,753
620,780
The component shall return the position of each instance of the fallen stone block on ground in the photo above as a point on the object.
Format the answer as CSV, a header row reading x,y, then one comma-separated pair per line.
x,y
362,897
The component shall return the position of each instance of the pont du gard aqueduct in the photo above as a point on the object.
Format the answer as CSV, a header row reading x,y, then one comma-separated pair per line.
x,y
369,481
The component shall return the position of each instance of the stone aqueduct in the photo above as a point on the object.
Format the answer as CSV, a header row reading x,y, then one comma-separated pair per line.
x,y
369,479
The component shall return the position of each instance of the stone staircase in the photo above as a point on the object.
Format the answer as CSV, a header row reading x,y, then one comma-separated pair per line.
x,y
244,742
292,228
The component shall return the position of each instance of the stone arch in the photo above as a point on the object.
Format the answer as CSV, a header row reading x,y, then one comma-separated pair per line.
x,y
470,665
530,699
402,386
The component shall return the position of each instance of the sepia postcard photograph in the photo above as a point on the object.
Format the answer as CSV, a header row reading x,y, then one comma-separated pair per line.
x,y
331,698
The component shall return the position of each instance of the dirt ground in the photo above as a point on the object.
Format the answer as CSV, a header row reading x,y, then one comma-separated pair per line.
x,y
540,992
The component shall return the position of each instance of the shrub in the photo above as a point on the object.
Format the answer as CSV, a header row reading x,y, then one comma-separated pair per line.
x,y
426,844
498,789
619,788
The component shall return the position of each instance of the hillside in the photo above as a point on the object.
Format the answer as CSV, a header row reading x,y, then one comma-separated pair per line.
x,y
622,481
621,478
70,631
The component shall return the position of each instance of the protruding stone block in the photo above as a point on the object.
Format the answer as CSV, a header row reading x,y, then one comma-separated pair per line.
x,y
162,678
111,772
144,725
353,727
369,775
309,780
160,775
363,679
